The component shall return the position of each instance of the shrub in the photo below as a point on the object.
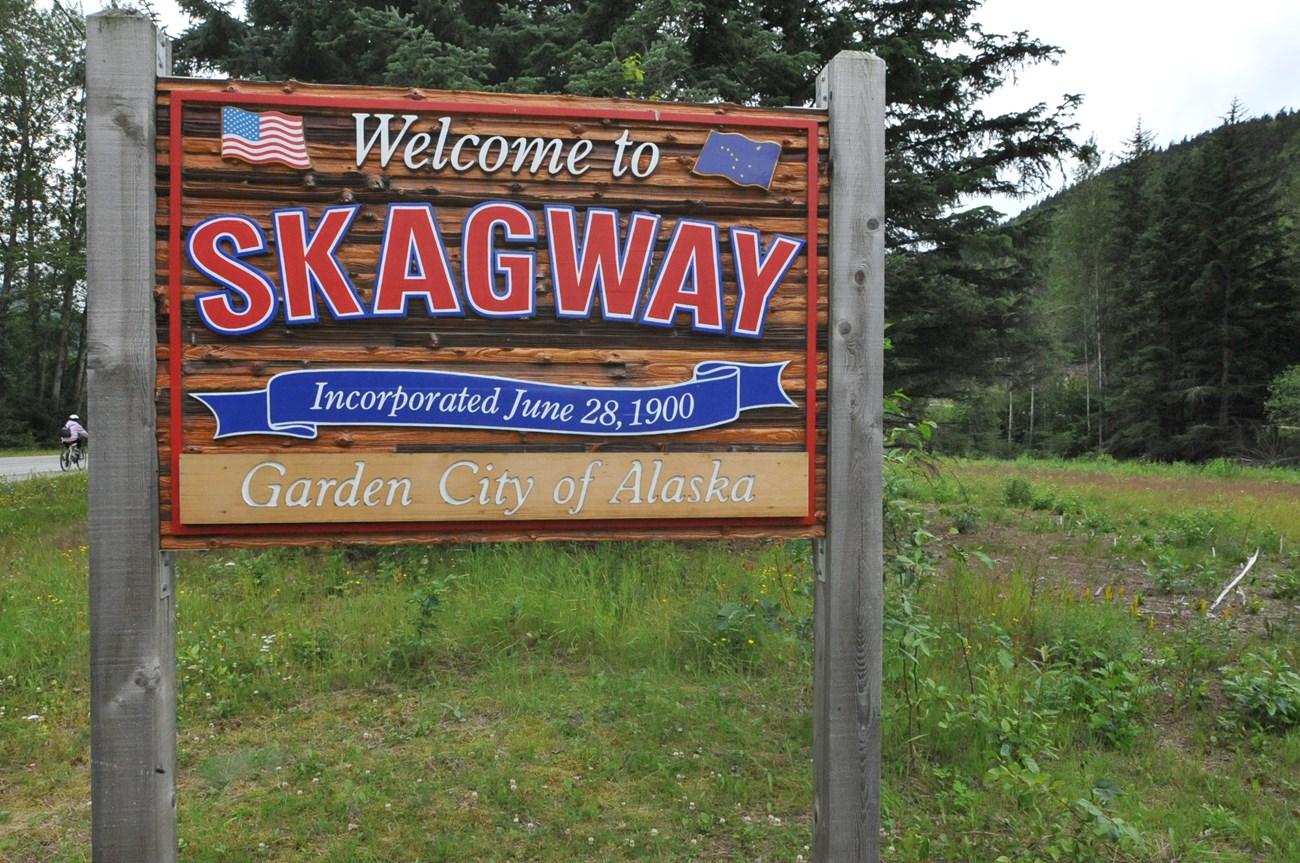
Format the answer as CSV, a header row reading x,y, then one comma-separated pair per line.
x,y
1018,491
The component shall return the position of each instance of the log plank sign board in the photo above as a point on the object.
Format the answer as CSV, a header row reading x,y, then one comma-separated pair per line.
x,y
371,315
417,315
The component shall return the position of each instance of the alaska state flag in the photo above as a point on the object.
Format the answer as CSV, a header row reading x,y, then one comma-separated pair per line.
x,y
263,138
741,160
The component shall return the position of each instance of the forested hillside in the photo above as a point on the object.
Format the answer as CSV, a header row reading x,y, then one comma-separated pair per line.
x,y
1167,309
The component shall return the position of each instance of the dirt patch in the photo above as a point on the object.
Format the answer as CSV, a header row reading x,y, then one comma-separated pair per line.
x,y
1081,566
1109,563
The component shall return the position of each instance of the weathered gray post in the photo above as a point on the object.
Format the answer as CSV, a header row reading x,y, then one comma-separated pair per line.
x,y
850,586
132,612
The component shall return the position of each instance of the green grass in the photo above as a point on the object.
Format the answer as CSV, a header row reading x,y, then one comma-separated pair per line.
x,y
1050,693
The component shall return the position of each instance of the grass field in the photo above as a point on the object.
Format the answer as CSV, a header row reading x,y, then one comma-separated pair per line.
x,y
1060,684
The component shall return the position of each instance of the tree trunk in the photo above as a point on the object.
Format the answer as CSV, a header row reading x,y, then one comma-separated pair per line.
x,y
73,238
1225,358
79,389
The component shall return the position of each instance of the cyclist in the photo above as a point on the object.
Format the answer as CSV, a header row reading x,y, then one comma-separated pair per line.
x,y
74,433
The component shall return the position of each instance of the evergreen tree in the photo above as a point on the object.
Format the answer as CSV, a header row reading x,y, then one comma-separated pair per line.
x,y
1131,387
1239,293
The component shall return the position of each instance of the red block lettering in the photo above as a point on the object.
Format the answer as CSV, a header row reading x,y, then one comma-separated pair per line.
x,y
689,280
620,274
757,276
483,262
308,264
257,296
413,263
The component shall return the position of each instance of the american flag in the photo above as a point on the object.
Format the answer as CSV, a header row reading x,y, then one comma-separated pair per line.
x,y
263,138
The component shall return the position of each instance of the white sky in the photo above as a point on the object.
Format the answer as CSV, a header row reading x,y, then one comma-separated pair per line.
x,y
1174,64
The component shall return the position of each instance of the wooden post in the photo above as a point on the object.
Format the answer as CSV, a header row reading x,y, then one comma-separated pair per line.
x,y
132,612
850,580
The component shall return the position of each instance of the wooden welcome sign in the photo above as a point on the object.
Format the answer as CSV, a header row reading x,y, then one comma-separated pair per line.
x,y
409,315
355,315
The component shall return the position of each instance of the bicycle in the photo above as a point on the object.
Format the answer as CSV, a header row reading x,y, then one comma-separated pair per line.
x,y
73,457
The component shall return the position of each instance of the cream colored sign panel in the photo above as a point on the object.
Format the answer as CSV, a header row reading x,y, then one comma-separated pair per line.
x,y
395,487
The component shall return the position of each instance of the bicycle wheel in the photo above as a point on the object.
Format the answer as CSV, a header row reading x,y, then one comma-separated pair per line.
x,y
80,457
65,458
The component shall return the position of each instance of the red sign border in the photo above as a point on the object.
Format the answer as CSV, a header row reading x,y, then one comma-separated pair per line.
x,y
809,125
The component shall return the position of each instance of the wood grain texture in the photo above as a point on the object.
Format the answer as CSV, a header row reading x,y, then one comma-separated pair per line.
x,y
543,348
849,590
132,612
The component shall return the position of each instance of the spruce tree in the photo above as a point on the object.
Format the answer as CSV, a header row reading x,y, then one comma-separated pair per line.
x,y
1239,289
1130,387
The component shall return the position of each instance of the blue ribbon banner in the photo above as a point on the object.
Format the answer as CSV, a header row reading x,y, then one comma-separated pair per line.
x,y
298,403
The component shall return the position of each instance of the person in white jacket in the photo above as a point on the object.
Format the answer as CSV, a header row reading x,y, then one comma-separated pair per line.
x,y
73,432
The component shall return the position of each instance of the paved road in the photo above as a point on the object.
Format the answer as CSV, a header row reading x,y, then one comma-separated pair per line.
x,y
28,465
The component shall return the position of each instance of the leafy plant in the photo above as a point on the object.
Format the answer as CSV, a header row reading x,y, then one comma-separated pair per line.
x,y
741,625
1263,692
1286,584
1109,694
1193,652
1168,570
1078,830
913,634
411,650
1016,718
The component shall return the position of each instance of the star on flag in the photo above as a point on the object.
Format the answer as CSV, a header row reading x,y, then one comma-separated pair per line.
x,y
741,160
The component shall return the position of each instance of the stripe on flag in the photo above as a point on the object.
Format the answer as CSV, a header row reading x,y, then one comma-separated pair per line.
x,y
263,138
741,160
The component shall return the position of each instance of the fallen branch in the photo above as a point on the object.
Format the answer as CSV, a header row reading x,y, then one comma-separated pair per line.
x,y
1245,569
